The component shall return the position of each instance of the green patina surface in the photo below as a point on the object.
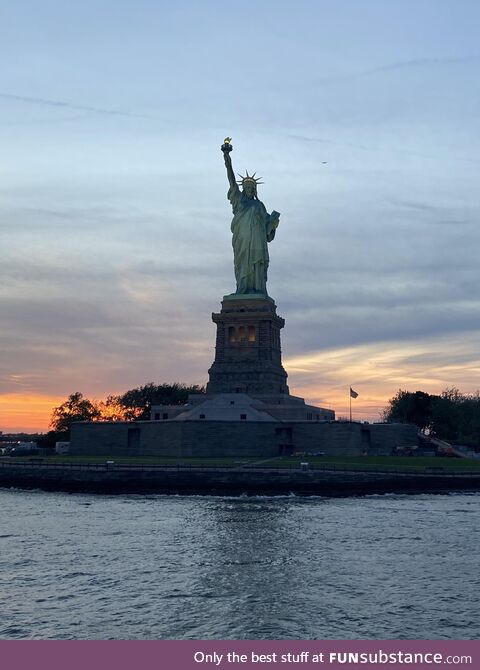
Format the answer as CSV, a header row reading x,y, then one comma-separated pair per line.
x,y
252,228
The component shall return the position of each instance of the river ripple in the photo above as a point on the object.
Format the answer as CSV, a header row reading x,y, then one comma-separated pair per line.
x,y
177,567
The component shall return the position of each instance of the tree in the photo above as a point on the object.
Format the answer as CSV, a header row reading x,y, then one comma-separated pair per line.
x,y
407,407
471,420
133,405
451,416
75,408
111,409
447,414
137,403
456,417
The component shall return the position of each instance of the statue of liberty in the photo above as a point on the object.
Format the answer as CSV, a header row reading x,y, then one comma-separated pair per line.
x,y
252,227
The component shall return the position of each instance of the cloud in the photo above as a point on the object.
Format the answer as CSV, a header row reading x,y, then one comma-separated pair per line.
x,y
438,213
117,292
102,338
376,147
377,370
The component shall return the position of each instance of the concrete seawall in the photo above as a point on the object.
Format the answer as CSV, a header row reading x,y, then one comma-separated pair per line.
x,y
102,478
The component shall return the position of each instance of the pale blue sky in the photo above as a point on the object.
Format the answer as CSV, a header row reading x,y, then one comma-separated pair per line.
x,y
114,224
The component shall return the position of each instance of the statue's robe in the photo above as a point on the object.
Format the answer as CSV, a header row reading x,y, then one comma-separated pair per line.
x,y
252,227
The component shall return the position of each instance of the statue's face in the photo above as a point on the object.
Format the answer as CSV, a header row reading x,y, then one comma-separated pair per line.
x,y
249,189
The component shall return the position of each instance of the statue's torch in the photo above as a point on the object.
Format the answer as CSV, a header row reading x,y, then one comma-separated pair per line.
x,y
227,145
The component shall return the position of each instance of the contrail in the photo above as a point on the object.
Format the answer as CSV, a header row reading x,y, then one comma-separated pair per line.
x,y
416,62
398,65
67,105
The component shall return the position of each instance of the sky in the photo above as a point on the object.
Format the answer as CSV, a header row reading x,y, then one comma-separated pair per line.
x,y
363,118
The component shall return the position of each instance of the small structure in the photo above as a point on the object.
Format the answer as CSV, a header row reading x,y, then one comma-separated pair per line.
x,y
62,447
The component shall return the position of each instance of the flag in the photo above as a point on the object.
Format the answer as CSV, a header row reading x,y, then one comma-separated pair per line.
x,y
353,394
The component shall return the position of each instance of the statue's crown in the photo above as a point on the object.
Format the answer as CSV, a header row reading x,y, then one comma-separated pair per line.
x,y
252,179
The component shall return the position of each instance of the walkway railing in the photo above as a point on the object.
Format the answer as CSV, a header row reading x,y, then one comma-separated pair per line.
x,y
288,467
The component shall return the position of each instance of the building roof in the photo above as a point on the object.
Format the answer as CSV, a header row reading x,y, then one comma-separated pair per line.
x,y
226,407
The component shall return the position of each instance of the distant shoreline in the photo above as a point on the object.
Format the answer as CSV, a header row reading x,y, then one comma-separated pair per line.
x,y
114,478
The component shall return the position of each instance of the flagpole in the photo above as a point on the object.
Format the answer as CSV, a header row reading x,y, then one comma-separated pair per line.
x,y
350,396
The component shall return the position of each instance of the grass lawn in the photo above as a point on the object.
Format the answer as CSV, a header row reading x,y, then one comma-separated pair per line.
x,y
405,463
377,462
146,460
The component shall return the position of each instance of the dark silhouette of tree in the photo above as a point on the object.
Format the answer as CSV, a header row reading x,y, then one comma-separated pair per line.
x,y
75,408
137,403
407,407
447,415
133,405
451,416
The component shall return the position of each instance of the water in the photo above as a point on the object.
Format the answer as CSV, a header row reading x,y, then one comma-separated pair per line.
x,y
163,567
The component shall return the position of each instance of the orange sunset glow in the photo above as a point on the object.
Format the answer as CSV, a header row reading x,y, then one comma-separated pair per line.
x,y
26,412
376,371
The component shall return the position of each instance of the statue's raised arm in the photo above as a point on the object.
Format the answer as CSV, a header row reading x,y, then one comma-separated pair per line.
x,y
227,148
252,227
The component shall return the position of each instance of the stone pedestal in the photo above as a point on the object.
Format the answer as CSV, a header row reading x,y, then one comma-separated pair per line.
x,y
247,352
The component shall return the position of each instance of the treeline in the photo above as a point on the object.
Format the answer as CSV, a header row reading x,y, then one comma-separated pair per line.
x,y
133,405
452,416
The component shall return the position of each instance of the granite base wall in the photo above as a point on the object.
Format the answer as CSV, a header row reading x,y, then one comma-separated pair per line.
x,y
236,438
384,437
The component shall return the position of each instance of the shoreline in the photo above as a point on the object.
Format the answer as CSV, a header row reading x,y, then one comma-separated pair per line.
x,y
122,479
